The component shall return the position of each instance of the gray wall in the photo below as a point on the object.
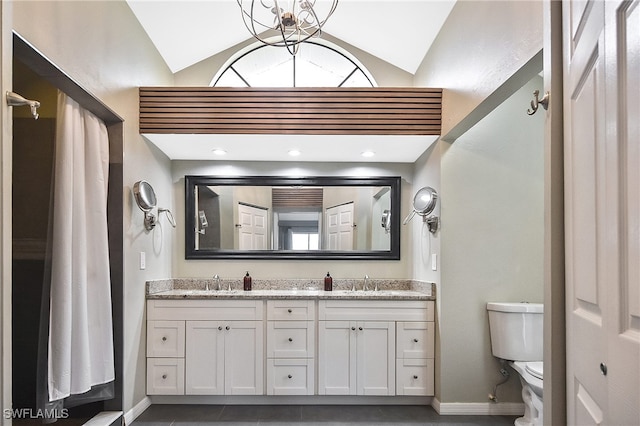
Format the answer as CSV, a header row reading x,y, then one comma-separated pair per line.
x,y
499,39
492,240
480,46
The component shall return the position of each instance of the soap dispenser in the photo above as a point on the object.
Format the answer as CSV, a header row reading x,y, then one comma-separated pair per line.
x,y
247,282
328,283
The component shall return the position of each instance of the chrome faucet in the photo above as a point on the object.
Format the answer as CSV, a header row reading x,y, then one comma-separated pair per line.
x,y
216,278
366,280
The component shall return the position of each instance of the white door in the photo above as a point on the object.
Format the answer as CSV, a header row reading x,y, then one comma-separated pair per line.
x,y
376,358
244,358
252,227
340,225
336,358
204,358
602,202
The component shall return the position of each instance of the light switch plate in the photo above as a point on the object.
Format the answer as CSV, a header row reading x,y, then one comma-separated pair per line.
x,y
434,262
143,260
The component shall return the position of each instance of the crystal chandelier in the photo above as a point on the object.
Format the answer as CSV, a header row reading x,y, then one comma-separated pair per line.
x,y
294,20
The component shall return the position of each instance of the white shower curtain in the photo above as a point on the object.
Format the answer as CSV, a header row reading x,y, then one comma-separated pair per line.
x,y
80,321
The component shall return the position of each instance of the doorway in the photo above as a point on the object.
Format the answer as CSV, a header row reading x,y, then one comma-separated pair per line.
x,y
33,154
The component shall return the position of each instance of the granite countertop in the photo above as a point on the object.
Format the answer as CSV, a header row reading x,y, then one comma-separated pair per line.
x,y
195,288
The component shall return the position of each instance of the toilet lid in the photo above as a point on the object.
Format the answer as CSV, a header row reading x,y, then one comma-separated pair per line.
x,y
535,369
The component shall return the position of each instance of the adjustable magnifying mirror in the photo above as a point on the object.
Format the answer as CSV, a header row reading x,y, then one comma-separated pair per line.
x,y
146,200
424,202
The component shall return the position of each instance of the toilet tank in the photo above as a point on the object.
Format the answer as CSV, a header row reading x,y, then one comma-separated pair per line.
x,y
516,330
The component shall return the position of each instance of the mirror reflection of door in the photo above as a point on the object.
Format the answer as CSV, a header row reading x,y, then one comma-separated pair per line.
x,y
340,227
252,227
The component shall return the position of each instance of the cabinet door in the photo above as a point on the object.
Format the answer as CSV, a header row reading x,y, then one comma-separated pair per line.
x,y
376,358
415,340
336,358
290,339
244,358
165,339
204,358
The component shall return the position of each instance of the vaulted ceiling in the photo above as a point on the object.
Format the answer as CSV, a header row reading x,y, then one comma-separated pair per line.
x,y
398,31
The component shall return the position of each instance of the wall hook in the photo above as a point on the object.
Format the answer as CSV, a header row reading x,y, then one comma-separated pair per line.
x,y
535,103
13,99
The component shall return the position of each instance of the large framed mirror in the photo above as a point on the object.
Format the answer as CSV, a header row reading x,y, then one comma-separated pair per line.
x,y
262,217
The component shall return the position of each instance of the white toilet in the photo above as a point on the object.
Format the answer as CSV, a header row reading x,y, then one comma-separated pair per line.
x,y
516,336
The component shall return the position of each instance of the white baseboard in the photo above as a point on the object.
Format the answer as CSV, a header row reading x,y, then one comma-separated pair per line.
x,y
478,408
137,409
104,418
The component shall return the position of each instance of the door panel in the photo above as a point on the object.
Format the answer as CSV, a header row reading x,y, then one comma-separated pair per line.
x,y
336,358
244,358
602,187
252,228
623,153
376,358
340,224
204,358
584,181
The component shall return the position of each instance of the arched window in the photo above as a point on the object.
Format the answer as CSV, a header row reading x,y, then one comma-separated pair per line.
x,y
318,63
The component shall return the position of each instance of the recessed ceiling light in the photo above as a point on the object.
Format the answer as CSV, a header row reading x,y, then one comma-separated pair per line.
x,y
294,153
368,154
219,151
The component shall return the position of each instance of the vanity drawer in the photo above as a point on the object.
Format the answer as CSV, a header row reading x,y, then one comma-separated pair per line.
x,y
290,339
165,339
415,377
165,376
291,310
290,377
415,339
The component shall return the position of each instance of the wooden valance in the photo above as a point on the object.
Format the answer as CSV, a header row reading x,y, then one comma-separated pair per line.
x,y
296,197
306,111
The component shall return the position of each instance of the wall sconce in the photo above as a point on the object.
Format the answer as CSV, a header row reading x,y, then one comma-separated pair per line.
x,y
146,200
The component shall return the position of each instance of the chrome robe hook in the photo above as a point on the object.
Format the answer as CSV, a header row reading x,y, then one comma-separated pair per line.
x,y
535,103
13,99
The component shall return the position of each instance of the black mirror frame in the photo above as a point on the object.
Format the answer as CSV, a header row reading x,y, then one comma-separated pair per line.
x,y
190,225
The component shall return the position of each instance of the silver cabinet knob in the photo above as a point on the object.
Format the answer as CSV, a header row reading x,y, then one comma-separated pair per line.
x,y
360,328
164,376
227,328
289,310
415,377
290,376
603,368
164,339
219,327
290,339
415,340
353,328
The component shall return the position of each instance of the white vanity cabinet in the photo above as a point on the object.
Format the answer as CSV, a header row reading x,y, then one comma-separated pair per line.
x,y
358,352
223,346
290,347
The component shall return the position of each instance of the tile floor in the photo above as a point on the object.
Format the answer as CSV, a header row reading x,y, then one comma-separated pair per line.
x,y
321,415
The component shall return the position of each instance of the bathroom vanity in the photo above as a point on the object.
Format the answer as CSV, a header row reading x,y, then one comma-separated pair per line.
x,y
284,341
